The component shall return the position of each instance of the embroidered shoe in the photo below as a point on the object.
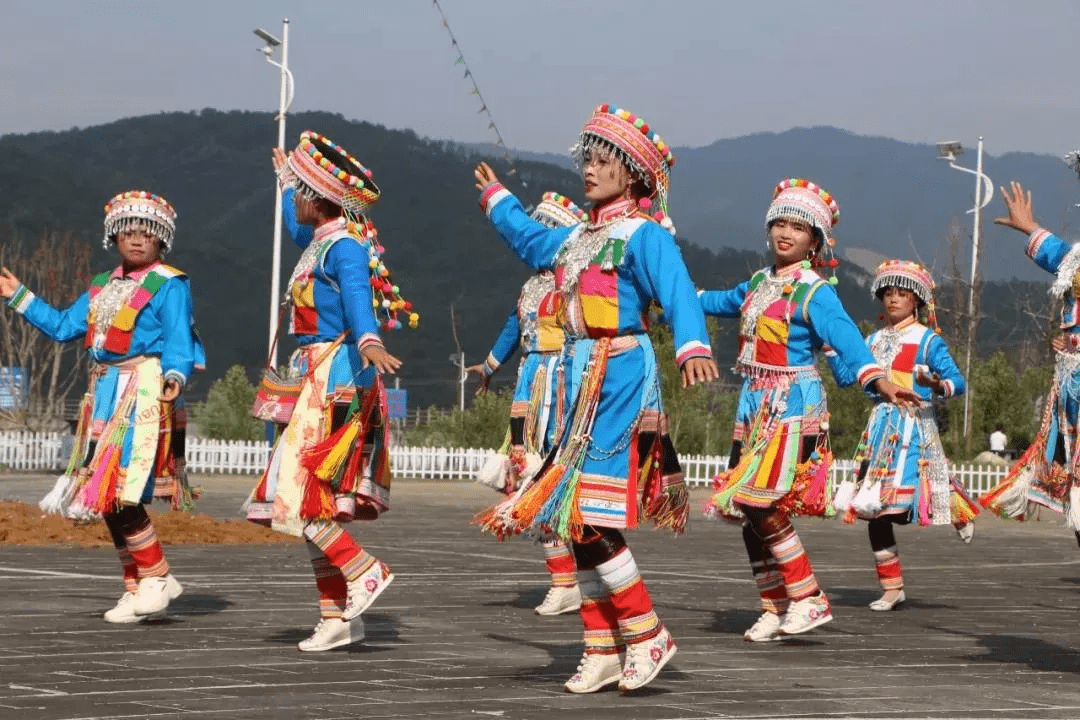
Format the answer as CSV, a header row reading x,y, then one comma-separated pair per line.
x,y
124,611
595,671
883,605
806,614
966,532
365,589
331,633
645,659
766,629
560,600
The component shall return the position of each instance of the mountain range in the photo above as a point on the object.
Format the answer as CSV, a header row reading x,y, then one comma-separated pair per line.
x,y
215,168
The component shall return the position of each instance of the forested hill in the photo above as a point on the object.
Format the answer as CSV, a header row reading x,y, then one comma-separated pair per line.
x,y
215,168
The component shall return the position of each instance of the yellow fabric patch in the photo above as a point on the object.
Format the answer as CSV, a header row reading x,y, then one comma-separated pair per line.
x,y
772,330
125,318
600,312
303,295
903,379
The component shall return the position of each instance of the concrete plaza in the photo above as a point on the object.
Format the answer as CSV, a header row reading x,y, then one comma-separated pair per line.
x,y
989,629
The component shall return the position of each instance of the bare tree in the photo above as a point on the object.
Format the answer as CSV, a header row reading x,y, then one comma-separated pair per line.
x,y
57,269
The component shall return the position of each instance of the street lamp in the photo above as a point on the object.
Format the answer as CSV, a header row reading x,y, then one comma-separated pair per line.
x,y
284,103
984,192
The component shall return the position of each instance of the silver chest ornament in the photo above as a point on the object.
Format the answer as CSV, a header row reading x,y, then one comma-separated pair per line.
x,y
103,308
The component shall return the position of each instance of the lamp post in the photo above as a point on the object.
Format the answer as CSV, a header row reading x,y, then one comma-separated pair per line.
x,y
984,193
458,359
285,99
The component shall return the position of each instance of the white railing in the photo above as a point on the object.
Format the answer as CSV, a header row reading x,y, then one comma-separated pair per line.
x,y
47,451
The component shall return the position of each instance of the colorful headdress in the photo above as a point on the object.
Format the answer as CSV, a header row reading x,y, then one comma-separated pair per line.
x,y
802,200
909,276
318,168
636,145
138,208
557,210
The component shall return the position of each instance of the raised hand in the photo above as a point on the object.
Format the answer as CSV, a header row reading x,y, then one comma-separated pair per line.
x,y
1018,206
8,283
484,175
279,159
383,361
697,371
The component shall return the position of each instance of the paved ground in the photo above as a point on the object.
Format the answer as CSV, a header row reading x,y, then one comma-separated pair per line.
x,y
990,630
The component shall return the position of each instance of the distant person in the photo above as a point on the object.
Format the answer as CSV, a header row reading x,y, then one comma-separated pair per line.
x,y
903,473
139,330
780,454
331,461
534,327
1046,474
999,440
614,467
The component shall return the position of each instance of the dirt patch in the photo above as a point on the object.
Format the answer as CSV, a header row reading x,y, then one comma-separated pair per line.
x,y
22,524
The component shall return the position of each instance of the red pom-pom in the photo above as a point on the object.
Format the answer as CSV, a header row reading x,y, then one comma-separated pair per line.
x,y
833,262
644,203
408,305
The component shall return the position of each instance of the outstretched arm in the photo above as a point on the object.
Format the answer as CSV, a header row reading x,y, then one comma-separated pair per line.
x,y
533,242
59,325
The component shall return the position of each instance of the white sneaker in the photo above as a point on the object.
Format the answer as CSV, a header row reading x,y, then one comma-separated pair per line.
x,y
560,600
645,659
966,532
331,633
766,629
153,595
594,672
365,589
806,614
124,611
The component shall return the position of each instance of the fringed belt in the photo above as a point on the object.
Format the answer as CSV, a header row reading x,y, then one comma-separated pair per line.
x,y
766,376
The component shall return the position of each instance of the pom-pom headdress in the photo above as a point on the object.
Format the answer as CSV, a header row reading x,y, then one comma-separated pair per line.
x,y
138,208
804,201
909,276
319,168
556,210
636,145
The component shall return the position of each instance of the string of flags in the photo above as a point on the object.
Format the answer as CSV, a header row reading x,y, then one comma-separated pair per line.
x,y
499,142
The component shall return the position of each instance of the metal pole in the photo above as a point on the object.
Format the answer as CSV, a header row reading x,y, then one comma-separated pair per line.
x,y
972,320
275,264
461,381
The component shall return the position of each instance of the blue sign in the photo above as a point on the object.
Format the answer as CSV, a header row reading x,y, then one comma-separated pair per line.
x,y
14,388
397,402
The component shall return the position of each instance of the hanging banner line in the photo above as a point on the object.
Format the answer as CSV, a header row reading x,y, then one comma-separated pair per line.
x,y
499,142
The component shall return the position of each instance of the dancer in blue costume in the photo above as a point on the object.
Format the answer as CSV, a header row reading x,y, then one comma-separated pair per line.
x,y
138,325
1047,473
535,414
780,454
614,462
904,474
331,462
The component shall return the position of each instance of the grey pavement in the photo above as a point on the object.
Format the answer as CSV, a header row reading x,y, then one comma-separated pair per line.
x,y
990,629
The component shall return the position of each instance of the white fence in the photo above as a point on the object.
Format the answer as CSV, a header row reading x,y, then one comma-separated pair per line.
x,y
48,452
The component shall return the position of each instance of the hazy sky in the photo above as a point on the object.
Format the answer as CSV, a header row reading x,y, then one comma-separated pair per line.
x,y
698,70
